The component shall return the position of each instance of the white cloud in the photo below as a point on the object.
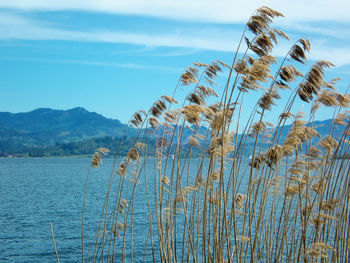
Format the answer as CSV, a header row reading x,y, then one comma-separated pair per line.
x,y
16,27
338,30
338,56
94,63
222,11
324,40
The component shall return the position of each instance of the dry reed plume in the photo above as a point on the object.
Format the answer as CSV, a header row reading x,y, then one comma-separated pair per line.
x,y
290,203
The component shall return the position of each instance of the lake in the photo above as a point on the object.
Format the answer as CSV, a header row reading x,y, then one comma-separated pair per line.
x,y
35,193
38,191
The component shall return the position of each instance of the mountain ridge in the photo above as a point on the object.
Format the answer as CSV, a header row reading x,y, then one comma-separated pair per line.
x,y
47,126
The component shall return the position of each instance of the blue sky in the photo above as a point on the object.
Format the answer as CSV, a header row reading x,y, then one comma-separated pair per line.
x,y
116,57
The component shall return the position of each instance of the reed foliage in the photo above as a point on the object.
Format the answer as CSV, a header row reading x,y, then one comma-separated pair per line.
x,y
289,204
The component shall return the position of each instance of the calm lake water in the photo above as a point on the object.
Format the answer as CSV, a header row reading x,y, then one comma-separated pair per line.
x,y
37,192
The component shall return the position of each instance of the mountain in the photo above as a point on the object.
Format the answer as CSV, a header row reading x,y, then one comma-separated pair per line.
x,y
47,126
47,132
322,127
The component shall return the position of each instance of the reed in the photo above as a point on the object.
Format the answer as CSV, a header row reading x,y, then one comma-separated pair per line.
x,y
289,204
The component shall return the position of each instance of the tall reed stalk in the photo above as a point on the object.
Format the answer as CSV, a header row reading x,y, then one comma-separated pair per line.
x,y
205,202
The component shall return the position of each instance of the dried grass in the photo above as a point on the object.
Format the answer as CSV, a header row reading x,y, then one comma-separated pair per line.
x,y
290,202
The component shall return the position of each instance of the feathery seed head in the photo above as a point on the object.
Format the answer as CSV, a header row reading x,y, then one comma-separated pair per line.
x,y
257,72
212,70
286,115
239,200
103,150
257,161
266,100
140,145
292,189
162,142
195,98
123,203
153,122
241,66
199,181
329,205
328,98
343,100
171,116
189,77
193,141
221,145
314,82
169,99
289,73
314,152
207,91
122,169
96,160
259,22
319,186
192,113
297,52
342,119
200,65
257,128
280,33
165,180
133,154
215,176
273,155
328,143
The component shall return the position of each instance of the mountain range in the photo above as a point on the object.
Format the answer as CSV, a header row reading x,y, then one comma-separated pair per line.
x,y
46,127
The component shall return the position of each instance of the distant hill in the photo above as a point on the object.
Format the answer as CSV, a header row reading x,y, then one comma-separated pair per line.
x,y
47,126
322,127
46,132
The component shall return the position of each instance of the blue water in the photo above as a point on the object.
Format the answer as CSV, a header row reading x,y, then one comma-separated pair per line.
x,y
37,192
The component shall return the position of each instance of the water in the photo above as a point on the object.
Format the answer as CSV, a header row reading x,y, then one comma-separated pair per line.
x,y
37,192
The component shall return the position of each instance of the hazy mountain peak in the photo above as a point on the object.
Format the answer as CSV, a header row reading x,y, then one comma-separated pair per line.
x,y
78,109
51,126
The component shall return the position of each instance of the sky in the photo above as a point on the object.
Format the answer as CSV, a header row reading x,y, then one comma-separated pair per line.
x,y
114,57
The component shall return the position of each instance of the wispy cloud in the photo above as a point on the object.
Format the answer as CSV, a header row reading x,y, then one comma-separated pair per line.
x,y
95,63
223,11
339,31
18,27
325,40
175,52
113,64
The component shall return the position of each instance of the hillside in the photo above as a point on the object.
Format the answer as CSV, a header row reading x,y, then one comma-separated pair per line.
x,y
48,132
47,126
